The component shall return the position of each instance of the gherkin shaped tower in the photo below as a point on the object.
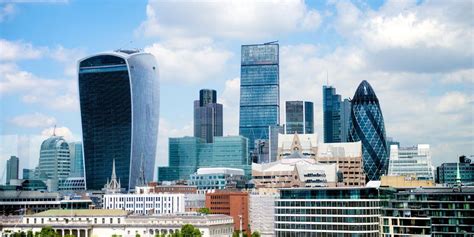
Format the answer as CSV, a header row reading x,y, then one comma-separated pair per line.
x,y
367,126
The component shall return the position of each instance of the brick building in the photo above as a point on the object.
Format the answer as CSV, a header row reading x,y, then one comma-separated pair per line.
x,y
234,204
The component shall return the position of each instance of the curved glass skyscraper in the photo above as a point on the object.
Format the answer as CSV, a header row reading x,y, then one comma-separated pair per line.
x,y
366,125
119,98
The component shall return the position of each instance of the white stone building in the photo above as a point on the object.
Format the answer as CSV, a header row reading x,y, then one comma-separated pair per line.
x,y
262,214
146,203
99,223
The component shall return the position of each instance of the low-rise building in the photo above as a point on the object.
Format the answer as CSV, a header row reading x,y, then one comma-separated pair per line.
x,y
23,202
262,214
146,202
411,161
234,204
99,222
446,173
175,188
404,182
194,201
210,179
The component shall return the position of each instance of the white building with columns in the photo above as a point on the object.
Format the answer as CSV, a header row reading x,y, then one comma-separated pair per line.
x,y
100,222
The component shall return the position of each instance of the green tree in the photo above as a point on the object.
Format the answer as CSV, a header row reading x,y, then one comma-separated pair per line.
x,y
189,230
48,231
204,210
137,235
256,234
29,233
19,234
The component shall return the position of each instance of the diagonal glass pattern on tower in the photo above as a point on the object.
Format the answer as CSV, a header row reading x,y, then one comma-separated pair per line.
x,y
259,91
367,126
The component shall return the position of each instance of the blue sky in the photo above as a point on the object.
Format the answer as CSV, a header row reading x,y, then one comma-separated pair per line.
x,y
418,56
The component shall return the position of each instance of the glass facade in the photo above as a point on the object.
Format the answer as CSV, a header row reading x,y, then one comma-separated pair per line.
x,y
336,115
299,117
77,159
411,161
446,173
119,98
367,126
54,162
187,154
13,168
259,91
208,116
329,212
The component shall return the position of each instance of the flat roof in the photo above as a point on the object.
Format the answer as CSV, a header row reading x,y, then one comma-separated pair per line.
x,y
81,212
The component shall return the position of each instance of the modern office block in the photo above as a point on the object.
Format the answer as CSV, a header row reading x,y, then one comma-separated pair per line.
x,y
447,173
77,159
54,162
336,115
411,161
187,154
259,91
367,125
208,116
299,117
211,179
12,168
328,212
262,214
28,173
119,101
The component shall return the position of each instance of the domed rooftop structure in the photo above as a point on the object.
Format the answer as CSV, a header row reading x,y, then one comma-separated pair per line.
x,y
365,93
54,142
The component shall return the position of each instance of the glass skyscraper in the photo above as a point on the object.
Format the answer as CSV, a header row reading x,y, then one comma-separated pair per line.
x,y
54,162
299,117
119,98
187,154
77,160
208,116
259,91
12,168
336,114
367,126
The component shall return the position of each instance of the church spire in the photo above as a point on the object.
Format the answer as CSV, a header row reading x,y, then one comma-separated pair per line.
x,y
141,178
113,186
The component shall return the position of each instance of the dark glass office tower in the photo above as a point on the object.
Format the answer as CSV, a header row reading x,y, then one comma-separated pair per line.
x,y
367,125
119,98
12,168
259,91
208,116
299,117
336,113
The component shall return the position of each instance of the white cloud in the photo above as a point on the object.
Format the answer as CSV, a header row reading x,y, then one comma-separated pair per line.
x,y
410,37
455,102
233,19
54,94
229,98
189,60
167,130
6,11
59,131
18,50
35,120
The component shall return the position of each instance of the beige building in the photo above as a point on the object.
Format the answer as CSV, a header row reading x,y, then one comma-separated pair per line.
x,y
346,155
404,182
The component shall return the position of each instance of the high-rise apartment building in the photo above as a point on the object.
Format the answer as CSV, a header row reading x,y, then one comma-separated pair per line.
x,y
299,117
411,161
259,91
54,161
367,126
13,165
208,116
187,154
336,115
77,160
119,99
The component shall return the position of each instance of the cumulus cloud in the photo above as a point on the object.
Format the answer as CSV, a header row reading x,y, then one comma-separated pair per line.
x,y
168,129
18,50
231,19
189,60
55,94
410,37
35,120
229,98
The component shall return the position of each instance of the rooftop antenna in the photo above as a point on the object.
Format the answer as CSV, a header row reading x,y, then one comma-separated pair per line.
x,y
126,44
54,131
327,77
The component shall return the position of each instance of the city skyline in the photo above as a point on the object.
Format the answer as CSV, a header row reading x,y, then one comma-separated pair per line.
x,y
344,42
